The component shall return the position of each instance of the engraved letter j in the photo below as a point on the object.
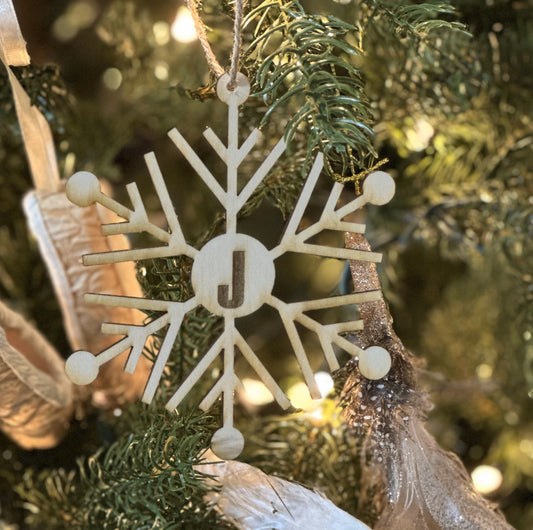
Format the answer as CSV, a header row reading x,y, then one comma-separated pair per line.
x,y
237,281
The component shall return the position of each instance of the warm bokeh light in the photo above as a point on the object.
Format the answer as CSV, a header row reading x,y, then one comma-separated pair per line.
x,y
182,28
255,392
112,78
526,446
486,479
161,31
324,382
299,393
161,71
484,371
79,15
327,275
300,397
420,136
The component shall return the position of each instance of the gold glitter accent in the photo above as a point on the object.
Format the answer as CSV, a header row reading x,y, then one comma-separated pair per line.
x,y
375,315
396,388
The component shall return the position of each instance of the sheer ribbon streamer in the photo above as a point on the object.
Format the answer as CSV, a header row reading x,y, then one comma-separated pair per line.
x,y
35,129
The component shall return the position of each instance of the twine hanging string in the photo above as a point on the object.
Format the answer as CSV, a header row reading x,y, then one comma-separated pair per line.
x,y
237,38
201,31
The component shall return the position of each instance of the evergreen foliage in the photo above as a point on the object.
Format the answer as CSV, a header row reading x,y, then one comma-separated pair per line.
x,y
442,91
144,480
303,59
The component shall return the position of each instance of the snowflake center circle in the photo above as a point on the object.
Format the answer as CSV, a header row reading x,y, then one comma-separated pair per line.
x,y
233,275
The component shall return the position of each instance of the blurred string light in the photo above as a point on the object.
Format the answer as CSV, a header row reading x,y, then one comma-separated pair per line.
x,y
112,78
79,15
324,382
419,137
526,446
161,31
300,397
484,371
299,393
161,70
327,275
486,479
255,393
182,28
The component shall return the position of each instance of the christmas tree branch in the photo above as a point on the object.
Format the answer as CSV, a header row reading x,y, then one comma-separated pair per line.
x,y
143,479
304,58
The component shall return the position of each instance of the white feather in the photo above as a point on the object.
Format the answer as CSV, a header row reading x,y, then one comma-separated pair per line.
x,y
253,500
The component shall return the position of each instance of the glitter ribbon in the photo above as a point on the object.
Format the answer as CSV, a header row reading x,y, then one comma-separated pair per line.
x,y
35,130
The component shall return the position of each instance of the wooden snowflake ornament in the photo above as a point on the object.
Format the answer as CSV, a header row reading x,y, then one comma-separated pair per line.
x,y
239,284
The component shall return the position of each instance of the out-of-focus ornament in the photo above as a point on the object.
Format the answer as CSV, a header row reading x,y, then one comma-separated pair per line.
x,y
37,397
429,488
64,233
426,487
35,130
253,500
232,275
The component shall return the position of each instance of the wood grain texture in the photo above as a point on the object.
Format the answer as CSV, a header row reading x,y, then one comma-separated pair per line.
x,y
232,275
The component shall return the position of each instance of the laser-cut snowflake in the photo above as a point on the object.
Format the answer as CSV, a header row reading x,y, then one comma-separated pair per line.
x,y
232,275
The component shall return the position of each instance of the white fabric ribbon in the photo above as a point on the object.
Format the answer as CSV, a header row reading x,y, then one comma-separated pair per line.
x,y
35,129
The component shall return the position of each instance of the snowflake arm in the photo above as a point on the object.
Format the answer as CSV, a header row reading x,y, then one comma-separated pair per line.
x,y
230,338
83,189
298,348
175,314
83,366
328,334
378,188
196,373
261,173
197,164
222,150
262,372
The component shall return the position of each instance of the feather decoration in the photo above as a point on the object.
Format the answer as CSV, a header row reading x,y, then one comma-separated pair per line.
x,y
253,500
414,482
430,488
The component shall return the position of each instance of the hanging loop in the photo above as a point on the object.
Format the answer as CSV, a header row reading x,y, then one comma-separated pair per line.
x,y
232,82
236,96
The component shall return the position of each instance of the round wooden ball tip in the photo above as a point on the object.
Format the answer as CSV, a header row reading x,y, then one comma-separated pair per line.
x,y
227,443
83,188
379,188
374,362
81,367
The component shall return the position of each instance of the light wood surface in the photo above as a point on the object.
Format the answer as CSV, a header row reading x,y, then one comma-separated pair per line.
x,y
232,275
